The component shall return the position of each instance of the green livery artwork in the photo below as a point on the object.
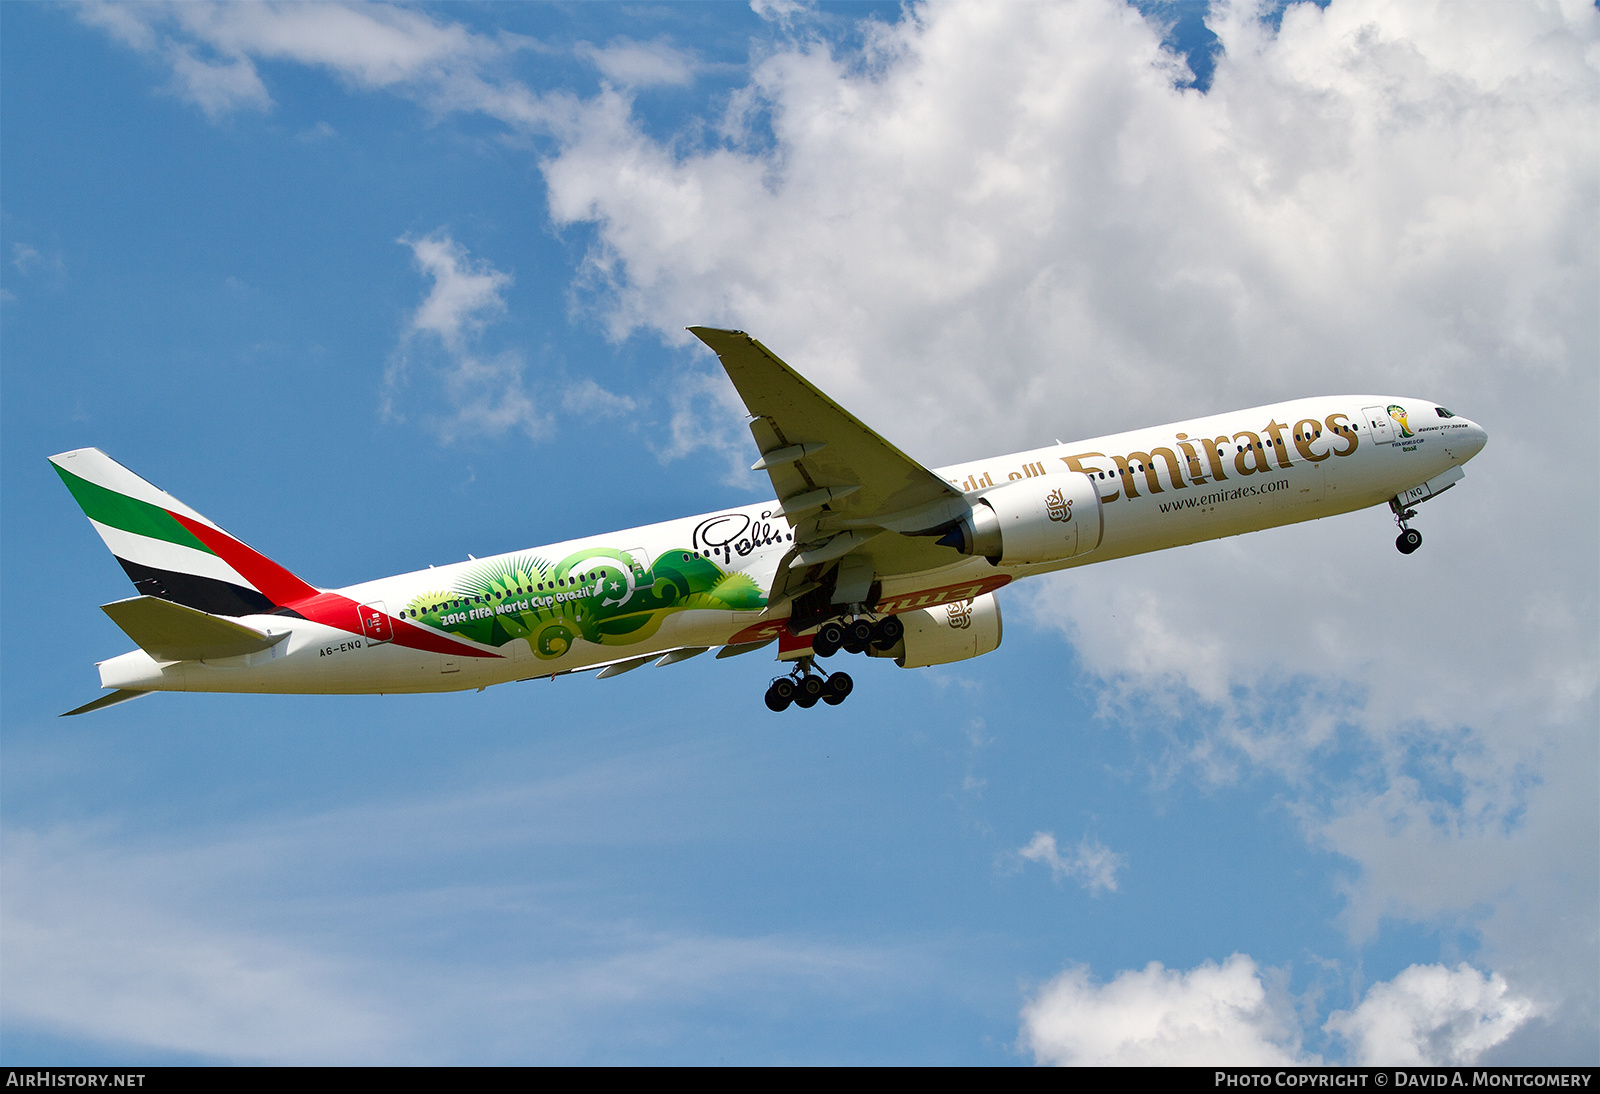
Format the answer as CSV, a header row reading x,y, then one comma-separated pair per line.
x,y
604,596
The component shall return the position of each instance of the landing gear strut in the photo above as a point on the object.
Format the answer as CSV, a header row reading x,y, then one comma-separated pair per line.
x,y
805,685
1409,538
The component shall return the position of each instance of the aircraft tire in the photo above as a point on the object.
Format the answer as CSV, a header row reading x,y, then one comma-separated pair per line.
x,y
887,632
804,701
858,636
812,688
780,695
828,640
1408,541
839,688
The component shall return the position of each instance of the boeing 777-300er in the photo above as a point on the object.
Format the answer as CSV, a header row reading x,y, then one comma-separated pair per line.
x,y
864,550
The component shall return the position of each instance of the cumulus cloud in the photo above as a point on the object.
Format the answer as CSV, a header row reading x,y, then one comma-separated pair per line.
x,y
1091,864
1210,1015
1430,1014
1230,1014
479,392
995,225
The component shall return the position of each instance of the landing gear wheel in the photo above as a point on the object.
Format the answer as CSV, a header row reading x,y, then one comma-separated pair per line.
x,y
887,632
839,688
780,694
810,690
857,636
828,640
1408,540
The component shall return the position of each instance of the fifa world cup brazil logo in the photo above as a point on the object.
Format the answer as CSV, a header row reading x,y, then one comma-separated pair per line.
x,y
1398,413
960,614
1059,508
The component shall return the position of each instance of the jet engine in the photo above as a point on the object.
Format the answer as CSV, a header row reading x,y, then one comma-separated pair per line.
x,y
950,632
1042,519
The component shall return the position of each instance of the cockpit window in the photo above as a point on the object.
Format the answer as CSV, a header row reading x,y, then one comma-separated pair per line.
x,y
1442,412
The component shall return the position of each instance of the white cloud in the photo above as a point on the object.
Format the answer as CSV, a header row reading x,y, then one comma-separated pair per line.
x,y
627,63
332,937
1000,224
1229,1015
1211,1015
588,397
1092,864
214,49
219,87
465,294
479,392
28,260
997,224
781,10
88,952
1430,1015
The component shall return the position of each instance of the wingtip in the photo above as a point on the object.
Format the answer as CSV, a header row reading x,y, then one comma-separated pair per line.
x,y
706,334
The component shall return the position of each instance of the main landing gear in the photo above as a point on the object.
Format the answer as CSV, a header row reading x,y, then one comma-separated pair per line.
x,y
856,635
805,685
1409,538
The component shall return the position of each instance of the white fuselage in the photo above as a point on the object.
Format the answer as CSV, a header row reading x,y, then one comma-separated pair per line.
x,y
1160,487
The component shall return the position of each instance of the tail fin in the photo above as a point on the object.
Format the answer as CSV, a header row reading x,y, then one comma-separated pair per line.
x,y
169,550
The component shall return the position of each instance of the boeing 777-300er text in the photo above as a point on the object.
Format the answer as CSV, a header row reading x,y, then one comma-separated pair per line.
x,y
864,550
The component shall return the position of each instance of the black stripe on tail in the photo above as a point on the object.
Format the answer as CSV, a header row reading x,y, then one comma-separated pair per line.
x,y
205,594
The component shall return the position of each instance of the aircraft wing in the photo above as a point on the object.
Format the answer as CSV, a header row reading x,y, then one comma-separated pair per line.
x,y
845,490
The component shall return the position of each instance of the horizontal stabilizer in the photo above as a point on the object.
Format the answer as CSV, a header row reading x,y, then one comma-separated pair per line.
x,y
104,701
172,632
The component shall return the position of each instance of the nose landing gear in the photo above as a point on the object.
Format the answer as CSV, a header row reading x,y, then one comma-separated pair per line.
x,y
1409,538
805,686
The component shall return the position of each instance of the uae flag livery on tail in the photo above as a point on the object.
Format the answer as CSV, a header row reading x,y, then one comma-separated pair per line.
x,y
165,546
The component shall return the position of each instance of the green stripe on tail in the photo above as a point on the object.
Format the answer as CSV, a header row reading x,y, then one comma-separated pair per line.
x,y
129,514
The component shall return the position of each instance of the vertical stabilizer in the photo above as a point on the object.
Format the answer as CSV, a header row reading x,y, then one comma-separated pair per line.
x,y
169,550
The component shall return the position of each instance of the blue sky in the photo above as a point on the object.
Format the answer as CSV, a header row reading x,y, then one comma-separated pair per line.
x,y
377,287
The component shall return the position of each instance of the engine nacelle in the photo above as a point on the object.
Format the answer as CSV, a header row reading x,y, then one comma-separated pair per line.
x,y
950,632
1042,519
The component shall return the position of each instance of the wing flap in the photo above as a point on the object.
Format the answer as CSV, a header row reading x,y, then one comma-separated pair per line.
x,y
172,632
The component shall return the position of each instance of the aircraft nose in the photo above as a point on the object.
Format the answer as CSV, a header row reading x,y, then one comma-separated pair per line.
x,y
1468,442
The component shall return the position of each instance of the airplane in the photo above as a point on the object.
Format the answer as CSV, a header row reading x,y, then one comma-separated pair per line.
x,y
862,550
